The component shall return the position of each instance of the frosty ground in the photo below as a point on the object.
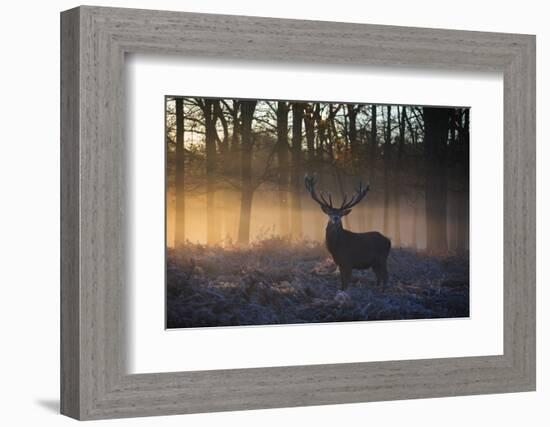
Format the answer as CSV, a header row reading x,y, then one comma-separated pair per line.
x,y
275,282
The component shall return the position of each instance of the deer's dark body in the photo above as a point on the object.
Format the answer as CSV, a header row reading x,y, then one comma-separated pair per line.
x,y
358,251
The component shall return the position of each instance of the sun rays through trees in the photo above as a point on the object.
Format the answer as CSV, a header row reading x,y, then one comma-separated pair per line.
x,y
235,170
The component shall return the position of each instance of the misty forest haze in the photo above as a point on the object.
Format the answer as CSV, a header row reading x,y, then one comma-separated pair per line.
x,y
418,176
235,190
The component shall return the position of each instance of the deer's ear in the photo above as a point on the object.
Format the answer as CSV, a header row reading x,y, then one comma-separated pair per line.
x,y
347,211
325,210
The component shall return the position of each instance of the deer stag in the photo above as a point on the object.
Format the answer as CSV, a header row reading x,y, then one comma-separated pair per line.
x,y
350,250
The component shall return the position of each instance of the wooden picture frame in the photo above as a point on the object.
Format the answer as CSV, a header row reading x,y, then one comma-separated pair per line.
x,y
94,41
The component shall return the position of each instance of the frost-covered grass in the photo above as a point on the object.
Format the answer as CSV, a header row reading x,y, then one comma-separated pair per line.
x,y
274,282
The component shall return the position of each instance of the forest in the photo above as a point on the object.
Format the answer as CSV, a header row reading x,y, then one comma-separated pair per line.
x,y
245,242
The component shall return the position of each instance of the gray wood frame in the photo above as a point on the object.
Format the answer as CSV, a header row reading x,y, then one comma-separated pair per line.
x,y
94,383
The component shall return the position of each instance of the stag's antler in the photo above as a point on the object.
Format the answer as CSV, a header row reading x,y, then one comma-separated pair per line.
x,y
310,181
360,193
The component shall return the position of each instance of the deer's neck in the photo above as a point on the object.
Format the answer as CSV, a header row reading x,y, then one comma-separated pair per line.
x,y
333,234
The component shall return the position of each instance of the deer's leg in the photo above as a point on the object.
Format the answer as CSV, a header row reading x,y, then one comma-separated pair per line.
x,y
386,276
378,271
348,277
345,275
382,276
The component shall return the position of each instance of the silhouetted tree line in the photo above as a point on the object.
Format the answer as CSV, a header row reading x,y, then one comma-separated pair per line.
x,y
408,153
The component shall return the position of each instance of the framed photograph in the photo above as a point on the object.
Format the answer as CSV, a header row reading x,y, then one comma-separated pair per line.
x,y
252,240
261,213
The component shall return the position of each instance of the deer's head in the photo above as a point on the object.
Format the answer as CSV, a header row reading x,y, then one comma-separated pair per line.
x,y
335,214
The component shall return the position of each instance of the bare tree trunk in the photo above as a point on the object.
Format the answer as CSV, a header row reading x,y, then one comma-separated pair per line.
x,y
463,212
373,138
235,137
414,234
212,228
332,130
330,138
412,130
234,166
309,122
352,111
452,125
321,136
436,125
223,160
310,117
397,175
372,149
247,191
387,172
282,159
179,236
352,134
296,176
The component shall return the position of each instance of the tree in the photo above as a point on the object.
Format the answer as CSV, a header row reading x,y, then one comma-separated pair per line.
x,y
352,110
282,160
223,163
321,131
387,170
247,189
373,137
436,128
464,171
234,111
356,153
415,127
207,106
309,123
401,119
180,175
296,175
371,157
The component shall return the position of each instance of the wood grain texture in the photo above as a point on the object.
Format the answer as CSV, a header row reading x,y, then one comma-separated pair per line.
x,y
70,258
94,242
